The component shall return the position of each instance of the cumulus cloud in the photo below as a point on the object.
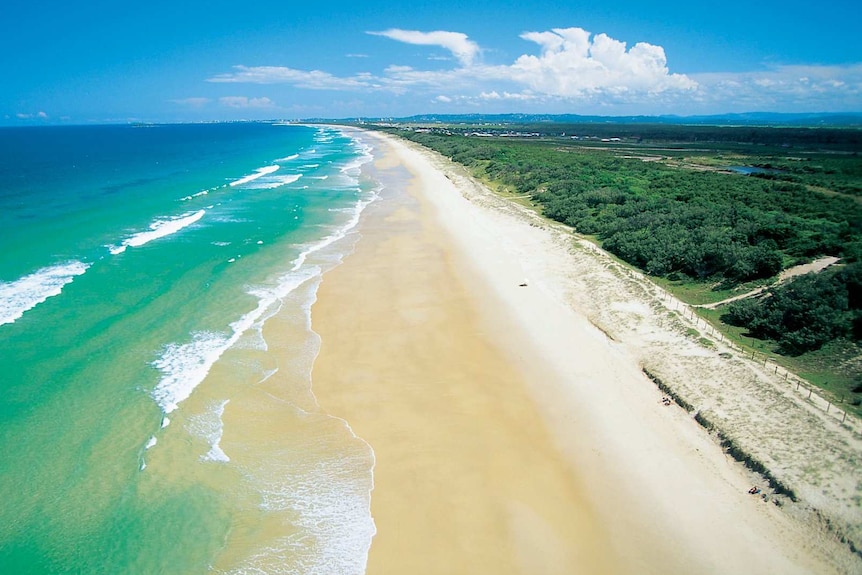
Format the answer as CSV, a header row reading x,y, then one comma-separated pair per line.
x,y
573,66
246,102
574,63
464,49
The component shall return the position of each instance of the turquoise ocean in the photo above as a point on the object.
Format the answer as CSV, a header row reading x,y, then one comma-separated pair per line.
x,y
156,413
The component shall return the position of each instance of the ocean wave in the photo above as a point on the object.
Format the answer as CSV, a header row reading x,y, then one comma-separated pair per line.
x,y
334,520
325,487
355,212
23,294
185,365
353,167
200,193
158,229
260,172
288,158
271,182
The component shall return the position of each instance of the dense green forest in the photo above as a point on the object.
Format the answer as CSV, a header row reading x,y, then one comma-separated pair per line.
x,y
677,213
807,313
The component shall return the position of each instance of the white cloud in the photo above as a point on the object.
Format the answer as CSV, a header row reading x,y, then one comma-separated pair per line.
x,y
313,80
464,49
785,88
494,95
572,65
192,102
246,102
38,115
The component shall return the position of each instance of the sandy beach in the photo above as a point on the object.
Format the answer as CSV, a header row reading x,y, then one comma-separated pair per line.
x,y
510,433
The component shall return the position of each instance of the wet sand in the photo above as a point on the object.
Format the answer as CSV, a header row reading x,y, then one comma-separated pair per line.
x,y
510,435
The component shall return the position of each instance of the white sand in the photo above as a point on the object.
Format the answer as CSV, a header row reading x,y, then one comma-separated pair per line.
x,y
660,486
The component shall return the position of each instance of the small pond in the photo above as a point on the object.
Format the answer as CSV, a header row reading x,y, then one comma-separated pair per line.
x,y
748,170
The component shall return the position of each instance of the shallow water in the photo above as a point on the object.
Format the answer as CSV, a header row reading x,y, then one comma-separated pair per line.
x,y
149,420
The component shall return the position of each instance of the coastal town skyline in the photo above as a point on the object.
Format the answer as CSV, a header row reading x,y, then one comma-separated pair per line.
x,y
65,64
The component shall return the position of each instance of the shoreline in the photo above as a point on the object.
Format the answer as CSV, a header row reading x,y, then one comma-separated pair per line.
x,y
652,491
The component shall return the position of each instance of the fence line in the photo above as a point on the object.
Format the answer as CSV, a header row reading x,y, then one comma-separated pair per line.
x,y
813,397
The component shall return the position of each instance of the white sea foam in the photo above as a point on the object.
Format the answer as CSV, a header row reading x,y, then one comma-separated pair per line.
x,y
288,158
260,172
270,182
329,496
365,156
216,453
25,293
210,427
199,194
185,365
158,229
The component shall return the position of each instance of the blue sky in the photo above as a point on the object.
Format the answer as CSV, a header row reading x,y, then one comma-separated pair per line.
x,y
193,60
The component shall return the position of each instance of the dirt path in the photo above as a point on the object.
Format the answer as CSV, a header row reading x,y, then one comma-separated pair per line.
x,y
813,267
